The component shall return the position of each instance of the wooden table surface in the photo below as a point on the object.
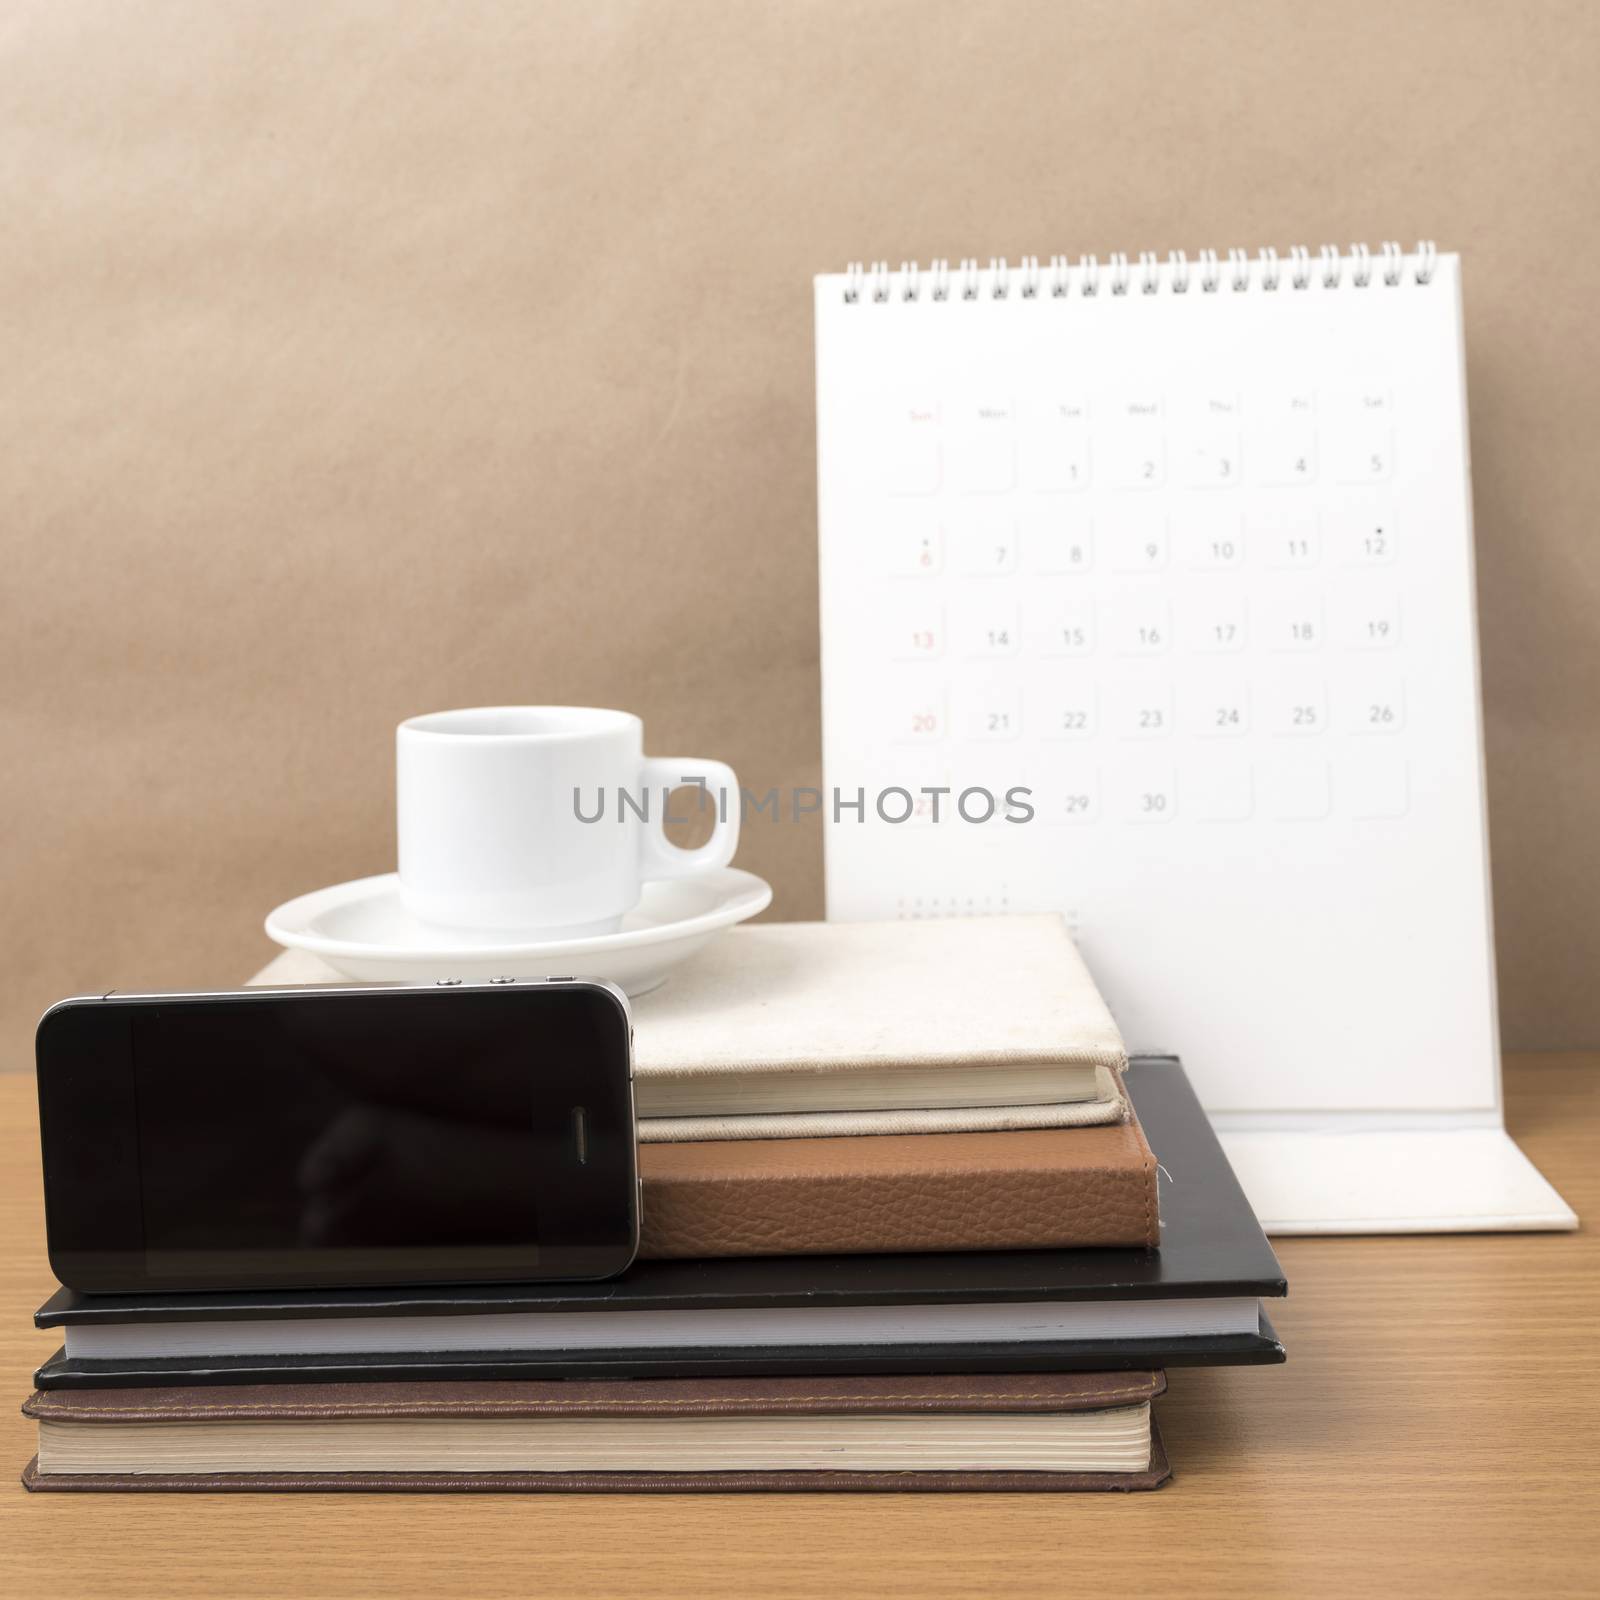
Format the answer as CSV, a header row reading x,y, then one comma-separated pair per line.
x,y
1434,1431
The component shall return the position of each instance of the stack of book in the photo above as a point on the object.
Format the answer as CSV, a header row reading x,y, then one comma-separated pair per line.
x,y
911,1221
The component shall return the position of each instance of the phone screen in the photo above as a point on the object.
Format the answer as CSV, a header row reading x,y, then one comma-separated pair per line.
x,y
397,1137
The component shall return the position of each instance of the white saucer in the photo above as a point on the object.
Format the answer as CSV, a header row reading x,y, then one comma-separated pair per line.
x,y
361,930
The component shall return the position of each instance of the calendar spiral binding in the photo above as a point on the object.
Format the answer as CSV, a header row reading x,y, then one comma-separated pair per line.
x,y
1209,272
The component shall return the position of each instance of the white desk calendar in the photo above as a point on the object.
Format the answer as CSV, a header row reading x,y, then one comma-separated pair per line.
x,y
1185,548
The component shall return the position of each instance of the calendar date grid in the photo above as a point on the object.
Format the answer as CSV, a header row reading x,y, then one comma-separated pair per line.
x,y
1150,622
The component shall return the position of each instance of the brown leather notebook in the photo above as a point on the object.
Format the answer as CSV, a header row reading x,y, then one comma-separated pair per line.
x,y
1035,1188
1018,1432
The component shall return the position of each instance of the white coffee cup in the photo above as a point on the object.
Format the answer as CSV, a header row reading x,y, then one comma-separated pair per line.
x,y
491,807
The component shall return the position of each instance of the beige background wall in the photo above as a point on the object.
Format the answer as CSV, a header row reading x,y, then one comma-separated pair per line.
x,y
358,359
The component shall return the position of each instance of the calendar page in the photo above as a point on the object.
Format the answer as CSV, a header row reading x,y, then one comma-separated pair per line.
x,y
1172,560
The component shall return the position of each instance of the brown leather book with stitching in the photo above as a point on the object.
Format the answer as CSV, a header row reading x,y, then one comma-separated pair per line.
x,y
1037,1188
1054,1431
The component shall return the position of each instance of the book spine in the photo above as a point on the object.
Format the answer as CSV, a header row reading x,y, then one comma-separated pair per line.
x,y
702,1211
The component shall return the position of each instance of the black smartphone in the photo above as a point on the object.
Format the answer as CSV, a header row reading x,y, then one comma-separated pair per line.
x,y
332,1137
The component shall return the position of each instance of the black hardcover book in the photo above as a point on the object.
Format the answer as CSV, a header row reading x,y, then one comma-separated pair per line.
x,y
1195,1301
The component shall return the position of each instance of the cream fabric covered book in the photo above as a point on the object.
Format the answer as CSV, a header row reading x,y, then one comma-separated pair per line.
x,y
790,1030
809,1029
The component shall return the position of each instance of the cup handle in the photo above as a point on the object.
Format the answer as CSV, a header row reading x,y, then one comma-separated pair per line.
x,y
659,857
